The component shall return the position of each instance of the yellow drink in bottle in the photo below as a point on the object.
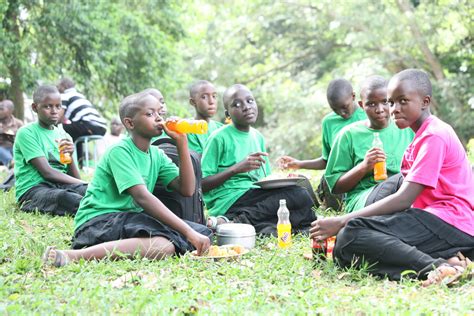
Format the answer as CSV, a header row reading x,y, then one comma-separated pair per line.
x,y
283,226
284,235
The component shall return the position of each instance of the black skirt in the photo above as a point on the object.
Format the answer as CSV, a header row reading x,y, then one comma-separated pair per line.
x,y
124,225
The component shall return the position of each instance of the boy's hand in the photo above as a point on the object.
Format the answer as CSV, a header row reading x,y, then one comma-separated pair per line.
x,y
200,242
174,135
251,162
324,228
66,145
372,156
287,162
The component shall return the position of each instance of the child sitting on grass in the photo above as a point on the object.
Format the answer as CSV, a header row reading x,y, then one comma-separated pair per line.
x,y
341,99
233,159
351,162
203,97
430,219
119,215
43,183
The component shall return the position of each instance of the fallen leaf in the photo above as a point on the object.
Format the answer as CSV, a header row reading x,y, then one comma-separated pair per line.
x,y
316,274
342,275
27,227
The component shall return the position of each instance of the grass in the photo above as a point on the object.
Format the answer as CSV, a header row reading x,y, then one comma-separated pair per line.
x,y
268,280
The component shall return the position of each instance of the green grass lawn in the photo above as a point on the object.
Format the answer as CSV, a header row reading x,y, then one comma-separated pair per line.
x,y
265,281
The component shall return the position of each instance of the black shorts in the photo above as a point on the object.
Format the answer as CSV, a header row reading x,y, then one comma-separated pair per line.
x,y
124,225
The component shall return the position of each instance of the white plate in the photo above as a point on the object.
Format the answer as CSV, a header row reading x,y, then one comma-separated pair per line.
x,y
278,183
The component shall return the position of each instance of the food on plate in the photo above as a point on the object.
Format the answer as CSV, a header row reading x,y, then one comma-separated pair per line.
x,y
222,251
279,176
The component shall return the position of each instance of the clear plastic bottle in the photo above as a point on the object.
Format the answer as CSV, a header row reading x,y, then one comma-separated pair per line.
x,y
380,168
64,157
284,226
187,126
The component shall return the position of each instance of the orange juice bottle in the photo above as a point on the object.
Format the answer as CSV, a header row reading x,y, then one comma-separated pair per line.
x,y
64,158
187,126
380,168
284,226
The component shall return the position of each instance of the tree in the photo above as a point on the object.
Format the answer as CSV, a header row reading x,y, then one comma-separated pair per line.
x,y
111,48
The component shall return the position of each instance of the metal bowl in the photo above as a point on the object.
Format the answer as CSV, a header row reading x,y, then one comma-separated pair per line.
x,y
236,234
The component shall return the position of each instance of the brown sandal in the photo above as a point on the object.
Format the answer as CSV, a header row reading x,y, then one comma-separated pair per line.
x,y
444,274
450,274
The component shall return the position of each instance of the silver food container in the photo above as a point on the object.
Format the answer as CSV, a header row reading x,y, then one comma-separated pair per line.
x,y
236,234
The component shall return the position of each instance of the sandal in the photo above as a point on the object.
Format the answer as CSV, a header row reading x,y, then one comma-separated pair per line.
x,y
60,259
457,267
444,274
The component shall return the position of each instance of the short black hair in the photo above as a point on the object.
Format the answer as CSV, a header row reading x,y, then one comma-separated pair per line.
x,y
194,88
373,83
8,104
67,83
131,104
419,78
338,90
230,92
43,91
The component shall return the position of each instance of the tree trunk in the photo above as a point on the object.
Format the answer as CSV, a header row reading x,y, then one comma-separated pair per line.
x,y
13,57
16,92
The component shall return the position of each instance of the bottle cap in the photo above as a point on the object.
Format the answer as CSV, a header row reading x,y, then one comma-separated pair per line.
x,y
282,201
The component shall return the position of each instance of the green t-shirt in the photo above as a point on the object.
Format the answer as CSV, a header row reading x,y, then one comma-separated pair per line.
x,y
197,142
225,148
33,141
123,166
349,149
333,123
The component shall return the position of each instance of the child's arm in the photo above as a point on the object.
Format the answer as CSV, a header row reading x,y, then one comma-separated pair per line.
x,y
185,182
350,179
397,202
287,162
52,175
153,207
251,162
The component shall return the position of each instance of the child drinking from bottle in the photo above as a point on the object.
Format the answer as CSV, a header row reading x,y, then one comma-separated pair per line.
x,y
428,224
118,214
43,182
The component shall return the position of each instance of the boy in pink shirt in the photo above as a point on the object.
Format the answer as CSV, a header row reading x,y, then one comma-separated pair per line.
x,y
428,224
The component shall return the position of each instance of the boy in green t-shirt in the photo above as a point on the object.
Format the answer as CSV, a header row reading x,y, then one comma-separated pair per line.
x,y
118,214
233,160
351,161
203,97
43,183
341,99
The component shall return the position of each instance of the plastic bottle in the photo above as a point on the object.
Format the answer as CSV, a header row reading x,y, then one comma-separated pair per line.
x,y
380,168
64,158
187,126
283,226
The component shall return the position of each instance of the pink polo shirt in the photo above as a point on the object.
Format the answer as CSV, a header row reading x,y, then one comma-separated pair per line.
x,y
437,160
